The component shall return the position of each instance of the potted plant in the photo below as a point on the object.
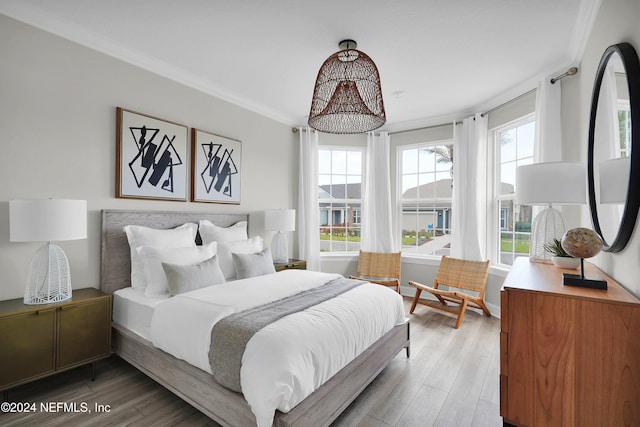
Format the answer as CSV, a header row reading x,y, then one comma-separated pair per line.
x,y
560,257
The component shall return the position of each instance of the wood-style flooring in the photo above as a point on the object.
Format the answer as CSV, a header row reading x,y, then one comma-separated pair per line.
x,y
451,379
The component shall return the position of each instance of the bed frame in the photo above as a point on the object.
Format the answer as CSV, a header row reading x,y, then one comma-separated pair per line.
x,y
197,387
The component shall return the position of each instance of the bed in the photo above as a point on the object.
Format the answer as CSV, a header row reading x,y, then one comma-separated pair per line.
x,y
198,387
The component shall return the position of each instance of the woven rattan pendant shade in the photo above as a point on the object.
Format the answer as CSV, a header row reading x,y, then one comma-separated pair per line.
x,y
347,97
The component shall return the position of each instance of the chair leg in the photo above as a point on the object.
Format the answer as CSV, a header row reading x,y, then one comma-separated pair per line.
x,y
484,308
415,300
463,308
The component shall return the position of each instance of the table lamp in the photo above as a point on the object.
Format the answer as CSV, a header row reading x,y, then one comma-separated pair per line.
x,y
562,183
47,220
280,220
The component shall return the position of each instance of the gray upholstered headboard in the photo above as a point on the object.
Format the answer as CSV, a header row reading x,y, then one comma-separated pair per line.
x,y
115,272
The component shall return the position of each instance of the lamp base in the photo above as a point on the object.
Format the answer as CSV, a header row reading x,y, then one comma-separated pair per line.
x,y
49,279
279,250
581,281
547,225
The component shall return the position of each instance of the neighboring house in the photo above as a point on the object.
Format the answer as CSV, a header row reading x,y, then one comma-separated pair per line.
x,y
429,205
337,212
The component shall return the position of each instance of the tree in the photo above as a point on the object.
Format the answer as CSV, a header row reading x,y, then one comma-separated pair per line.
x,y
444,155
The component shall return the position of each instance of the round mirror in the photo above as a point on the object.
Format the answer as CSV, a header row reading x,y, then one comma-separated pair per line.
x,y
614,136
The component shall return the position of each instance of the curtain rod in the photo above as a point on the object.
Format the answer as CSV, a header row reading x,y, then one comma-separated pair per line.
x,y
508,102
426,127
570,72
296,130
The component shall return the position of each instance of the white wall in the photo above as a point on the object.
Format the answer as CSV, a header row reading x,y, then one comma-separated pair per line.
x,y
616,22
57,121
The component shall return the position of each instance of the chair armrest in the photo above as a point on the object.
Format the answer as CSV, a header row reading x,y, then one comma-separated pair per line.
x,y
450,294
387,281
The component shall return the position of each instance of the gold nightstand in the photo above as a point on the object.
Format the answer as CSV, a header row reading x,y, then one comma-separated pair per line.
x,y
40,340
296,264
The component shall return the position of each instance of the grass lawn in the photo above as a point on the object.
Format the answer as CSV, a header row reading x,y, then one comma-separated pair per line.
x,y
339,238
522,246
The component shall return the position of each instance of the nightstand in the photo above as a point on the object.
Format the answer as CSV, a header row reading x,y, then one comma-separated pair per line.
x,y
296,264
40,340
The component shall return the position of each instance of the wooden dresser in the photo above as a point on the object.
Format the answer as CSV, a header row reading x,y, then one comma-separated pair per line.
x,y
39,340
568,356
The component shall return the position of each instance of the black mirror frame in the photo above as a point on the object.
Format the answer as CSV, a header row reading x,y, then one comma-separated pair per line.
x,y
632,204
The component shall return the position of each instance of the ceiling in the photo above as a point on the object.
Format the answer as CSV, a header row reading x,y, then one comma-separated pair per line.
x,y
439,60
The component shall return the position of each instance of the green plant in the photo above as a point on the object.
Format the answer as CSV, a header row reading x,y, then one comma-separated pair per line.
x,y
555,247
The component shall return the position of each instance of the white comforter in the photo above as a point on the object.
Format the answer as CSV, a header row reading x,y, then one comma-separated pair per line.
x,y
287,360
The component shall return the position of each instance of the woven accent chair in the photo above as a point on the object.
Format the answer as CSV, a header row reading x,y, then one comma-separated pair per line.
x,y
460,274
379,267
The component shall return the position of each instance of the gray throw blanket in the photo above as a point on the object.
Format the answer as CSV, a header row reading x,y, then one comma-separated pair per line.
x,y
231,334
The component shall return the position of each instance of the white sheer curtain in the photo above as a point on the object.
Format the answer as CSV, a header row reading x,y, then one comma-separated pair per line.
x,y
377,227
308,222
548,136
607,146
547,146
469,205
607,132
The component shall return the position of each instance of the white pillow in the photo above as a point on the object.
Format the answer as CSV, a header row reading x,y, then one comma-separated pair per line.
x,y
210,232
251,265
182,236
185,278
225,249
152,258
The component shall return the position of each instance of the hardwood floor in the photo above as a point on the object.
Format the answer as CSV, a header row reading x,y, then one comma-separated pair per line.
x,y
451,379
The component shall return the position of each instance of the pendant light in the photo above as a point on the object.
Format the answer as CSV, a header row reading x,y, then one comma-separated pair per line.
x,y
347,97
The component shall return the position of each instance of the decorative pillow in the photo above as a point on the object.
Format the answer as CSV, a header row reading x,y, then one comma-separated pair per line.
x,y
182,236
225,249
152,258
251,265
185,278
210,232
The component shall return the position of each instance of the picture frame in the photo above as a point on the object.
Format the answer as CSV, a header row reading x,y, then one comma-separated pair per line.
x,y
151,157
216,163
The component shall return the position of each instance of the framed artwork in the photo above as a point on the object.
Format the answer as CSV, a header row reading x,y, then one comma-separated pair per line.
x,y
151,157
216,163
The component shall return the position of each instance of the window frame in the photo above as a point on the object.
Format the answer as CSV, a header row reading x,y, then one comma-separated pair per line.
x,y
346,201
399,193
494,217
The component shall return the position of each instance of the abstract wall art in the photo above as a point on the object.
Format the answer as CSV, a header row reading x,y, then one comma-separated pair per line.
x,y
151,157
215,172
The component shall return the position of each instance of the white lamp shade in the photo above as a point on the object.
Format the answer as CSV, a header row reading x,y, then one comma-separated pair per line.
x,y
561,183
46,220
614,180
280,219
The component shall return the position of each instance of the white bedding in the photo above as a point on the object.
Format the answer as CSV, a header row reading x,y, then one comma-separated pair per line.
x,y
133,310
287,360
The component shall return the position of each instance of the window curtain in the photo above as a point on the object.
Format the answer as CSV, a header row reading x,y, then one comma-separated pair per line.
x,y
607,123
469,204
308,222
547,145
377,231
607,146
548,132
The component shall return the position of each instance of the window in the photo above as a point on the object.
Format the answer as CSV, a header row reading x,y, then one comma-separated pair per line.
x,y
339,198
513,148
426,179
624,119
